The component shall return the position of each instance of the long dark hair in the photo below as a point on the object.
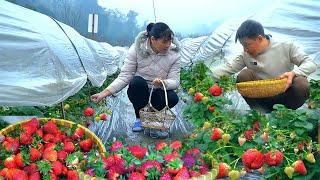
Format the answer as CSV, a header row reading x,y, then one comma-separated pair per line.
x,y
159,31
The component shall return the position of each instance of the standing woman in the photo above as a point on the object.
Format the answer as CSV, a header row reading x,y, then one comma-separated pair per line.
x,y
154,57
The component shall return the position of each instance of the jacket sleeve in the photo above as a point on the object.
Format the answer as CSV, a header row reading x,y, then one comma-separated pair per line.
x,y
305,64
128,69
173,79
229,68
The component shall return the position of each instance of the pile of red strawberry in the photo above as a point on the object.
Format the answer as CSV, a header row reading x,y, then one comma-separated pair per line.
x,y
164,162
43,152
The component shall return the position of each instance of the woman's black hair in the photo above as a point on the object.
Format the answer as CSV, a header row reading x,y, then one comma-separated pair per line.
x,y
159,31
249,29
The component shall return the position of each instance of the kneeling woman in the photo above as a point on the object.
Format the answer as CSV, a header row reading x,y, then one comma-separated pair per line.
x,y
154,57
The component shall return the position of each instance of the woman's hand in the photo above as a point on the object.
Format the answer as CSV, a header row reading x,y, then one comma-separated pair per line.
x,y
157,82
290,76
99,96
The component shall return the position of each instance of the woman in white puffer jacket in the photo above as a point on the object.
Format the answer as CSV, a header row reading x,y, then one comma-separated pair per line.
x,y
153,57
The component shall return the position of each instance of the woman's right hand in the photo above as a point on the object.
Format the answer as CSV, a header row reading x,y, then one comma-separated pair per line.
x,y
99,96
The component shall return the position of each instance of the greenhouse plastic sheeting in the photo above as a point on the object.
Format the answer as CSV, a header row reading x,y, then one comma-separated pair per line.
x,y
43,61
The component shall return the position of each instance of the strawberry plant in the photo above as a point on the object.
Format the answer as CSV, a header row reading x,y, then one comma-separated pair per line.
x,y
314,100
73,106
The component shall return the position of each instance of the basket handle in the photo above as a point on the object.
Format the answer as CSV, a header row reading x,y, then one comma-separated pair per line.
x,y
165,93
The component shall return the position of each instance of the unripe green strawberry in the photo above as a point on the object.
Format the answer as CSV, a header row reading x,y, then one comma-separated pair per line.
x,y
191,91
310,158
205,100
241,140
289,171
206,125
226,137
234,175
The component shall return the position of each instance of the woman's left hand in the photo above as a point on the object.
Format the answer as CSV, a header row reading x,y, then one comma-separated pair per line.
x,y
290,76
157,82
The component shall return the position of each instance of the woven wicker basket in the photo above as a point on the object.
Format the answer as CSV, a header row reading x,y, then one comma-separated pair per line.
x,y
61,122
262,88
154,119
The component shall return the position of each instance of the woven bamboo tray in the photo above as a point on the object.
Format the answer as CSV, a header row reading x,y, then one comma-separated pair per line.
x,y
262,88
61,122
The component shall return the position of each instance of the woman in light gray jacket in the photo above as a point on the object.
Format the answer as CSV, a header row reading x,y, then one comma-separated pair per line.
x,y
153,57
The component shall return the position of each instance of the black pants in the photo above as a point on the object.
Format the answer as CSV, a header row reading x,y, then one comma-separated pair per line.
x,y
293,98
138,93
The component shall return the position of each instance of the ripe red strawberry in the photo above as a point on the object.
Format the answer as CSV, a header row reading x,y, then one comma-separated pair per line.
x,y
62,155
215,90
50,155
182,174
30,169
69,147
136,176
115,146
103,117
35,176
56,167
273,158
72,175
299,167
31,126
17,174
34,154
216,134
48,138
50,128
223,170
64,170
198,97
113,175
108,162
53,176
176,145
4,172
252,159
25,139
78,133
88,111
11,144
249,134
51,146
9,162
211,108
39,132
19,160
160,146
138,151
203,169
170,157
86,145
194,173
193,151
166,176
